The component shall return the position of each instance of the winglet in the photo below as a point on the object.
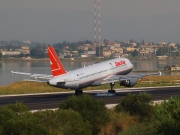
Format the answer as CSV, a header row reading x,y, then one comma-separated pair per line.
x,y
56,65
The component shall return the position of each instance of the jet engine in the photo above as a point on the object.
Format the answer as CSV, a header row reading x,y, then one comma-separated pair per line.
x,y
129,82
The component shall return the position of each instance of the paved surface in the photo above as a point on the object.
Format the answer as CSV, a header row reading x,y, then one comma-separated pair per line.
x,y
52,100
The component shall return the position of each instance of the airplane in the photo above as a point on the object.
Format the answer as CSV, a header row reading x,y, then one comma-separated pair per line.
x,y
110,71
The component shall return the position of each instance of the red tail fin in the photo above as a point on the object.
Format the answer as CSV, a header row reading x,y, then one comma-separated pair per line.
x,y
56,65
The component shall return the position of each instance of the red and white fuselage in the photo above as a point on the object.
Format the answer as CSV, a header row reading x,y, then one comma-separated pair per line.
x,y
87,76
110,71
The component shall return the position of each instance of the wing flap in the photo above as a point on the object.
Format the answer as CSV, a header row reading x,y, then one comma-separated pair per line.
x,y
116,78
110,79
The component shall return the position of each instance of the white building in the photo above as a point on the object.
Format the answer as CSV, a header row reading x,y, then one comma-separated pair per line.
x,y
11,53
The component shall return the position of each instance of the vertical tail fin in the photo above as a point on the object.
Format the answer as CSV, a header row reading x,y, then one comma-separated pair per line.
x,y
56,65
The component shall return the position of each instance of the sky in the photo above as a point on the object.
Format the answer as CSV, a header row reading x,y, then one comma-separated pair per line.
x,y
54,21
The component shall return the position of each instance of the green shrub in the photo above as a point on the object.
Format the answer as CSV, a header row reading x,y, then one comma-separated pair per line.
x,y
119,122
168,117
165,121
145,128
10,111
24,124
66,122
136,104
90,109
15,119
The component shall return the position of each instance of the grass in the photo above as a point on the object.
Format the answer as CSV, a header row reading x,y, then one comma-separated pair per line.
x,y
28,87
161,78
37,87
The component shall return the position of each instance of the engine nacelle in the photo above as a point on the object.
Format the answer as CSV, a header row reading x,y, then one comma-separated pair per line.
x,y
129,83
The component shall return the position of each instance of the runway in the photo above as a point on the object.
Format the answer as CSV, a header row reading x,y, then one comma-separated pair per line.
x,y
52,100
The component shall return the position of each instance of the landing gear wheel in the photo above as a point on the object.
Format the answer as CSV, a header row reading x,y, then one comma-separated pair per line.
x,y
78,92
111,90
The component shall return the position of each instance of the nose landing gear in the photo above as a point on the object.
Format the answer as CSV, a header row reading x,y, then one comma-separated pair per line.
x,y
111,90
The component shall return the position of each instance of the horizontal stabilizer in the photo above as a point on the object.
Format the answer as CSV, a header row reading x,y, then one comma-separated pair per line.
x,y
20,73
34,75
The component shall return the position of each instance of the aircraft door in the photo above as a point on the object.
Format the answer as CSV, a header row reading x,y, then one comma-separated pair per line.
x,y
75,81
110,68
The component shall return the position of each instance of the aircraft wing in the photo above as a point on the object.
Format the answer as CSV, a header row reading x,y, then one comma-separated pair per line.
x,y
34,75
116,78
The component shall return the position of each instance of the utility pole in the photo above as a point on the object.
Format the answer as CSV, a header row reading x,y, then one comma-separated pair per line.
x,y
97,43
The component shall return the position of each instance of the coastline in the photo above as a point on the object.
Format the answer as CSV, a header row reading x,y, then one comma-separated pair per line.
x,y
93,59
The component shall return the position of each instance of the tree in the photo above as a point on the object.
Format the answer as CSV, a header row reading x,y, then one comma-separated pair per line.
x,y
165,120
142,42
24,124
101,50
22,55
66,122
37,53
168,117
33,52
162,51
90,109
134,53
15,119
0,55
11,110
97,51
64,43
57,51
136,104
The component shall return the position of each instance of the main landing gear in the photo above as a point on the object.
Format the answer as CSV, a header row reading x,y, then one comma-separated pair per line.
x,y
111,90
78,92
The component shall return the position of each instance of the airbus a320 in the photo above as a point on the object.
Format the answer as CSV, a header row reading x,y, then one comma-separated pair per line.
x,y
110,71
